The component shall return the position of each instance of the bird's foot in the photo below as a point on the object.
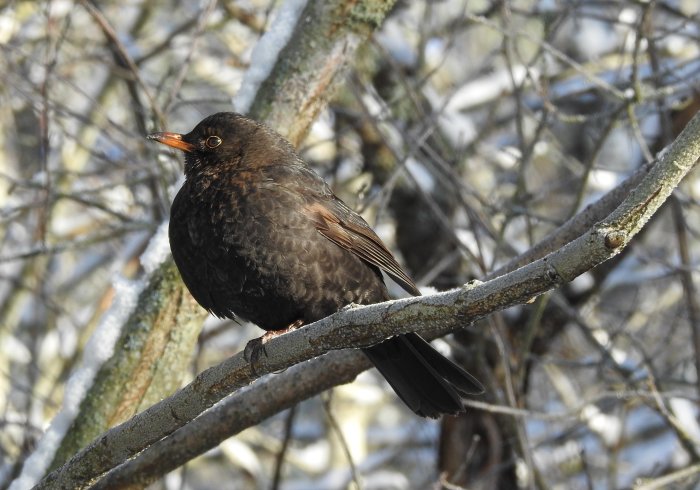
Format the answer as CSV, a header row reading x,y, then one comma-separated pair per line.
x,y
256,347
253,350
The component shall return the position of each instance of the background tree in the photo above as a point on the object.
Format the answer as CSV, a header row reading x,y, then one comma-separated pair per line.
x,y
466,132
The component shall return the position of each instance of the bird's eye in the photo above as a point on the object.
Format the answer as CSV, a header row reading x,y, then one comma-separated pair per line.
x,y
213,141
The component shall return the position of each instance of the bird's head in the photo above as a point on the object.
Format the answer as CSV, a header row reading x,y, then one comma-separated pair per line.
x,y
225,139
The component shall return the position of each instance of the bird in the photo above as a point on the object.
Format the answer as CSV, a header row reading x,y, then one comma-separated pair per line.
x,y
257,235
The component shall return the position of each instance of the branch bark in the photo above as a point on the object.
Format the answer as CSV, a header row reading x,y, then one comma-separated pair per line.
x,y
313,63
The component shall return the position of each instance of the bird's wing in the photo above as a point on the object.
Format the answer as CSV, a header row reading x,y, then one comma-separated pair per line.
x,y
336,221
345,228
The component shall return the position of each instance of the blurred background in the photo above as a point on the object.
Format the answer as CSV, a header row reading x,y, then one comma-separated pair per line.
x,y
465,133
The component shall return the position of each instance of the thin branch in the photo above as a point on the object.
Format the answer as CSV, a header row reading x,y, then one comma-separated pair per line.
x,y
669,479
281,454
686,276
244,409
354,474
122,54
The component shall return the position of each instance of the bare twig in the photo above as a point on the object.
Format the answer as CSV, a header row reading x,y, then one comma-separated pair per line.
x,y
279,459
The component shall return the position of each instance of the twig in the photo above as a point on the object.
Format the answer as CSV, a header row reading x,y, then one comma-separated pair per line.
x,y
343,443
686,276
279,459
122,54
667,480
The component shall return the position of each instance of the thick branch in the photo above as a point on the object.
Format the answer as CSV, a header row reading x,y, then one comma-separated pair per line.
x,y
246,408
314,61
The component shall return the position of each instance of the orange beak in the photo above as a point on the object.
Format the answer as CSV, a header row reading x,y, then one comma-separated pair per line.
x,y
172,139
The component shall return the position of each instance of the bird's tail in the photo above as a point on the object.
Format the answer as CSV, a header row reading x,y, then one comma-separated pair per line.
x,y
426,381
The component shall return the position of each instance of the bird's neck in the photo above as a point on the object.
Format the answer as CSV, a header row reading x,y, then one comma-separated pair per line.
x,y
196,168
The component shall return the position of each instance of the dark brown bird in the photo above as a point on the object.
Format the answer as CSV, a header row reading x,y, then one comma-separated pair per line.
x,y
258,235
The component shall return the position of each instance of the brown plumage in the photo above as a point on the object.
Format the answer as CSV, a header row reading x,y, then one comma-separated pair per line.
x,y
258,235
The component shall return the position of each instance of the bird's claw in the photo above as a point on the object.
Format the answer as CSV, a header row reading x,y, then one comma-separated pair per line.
x,y
253,350
256,347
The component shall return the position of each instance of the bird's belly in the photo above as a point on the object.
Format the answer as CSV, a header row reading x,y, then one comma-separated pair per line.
x,y
303,276
260,261
277,279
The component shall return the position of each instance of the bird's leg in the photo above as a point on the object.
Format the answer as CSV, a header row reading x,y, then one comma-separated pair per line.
x,y
255,347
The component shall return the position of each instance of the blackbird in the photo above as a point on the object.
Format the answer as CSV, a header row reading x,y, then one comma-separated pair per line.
x,y
258,235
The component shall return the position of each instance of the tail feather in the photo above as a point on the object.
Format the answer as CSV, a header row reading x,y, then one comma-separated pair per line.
x,y
427,382
460,379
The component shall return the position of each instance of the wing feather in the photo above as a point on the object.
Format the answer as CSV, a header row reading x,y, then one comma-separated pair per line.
x,y
355,235
336,221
